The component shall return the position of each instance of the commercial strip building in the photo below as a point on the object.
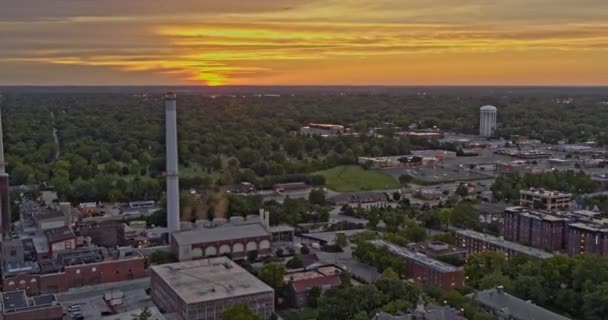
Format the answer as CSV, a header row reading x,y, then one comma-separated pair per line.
x,y
16,305
426,270
204,289
476,242
404,161
322,129
527,154
505,306
360,199
544,199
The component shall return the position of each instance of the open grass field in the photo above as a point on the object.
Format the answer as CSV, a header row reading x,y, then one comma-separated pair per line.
x,y
355,178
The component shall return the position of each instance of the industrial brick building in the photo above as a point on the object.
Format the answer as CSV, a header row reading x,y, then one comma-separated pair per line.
x,y
233,240
16,305
204,289
425,270
71,269
476,242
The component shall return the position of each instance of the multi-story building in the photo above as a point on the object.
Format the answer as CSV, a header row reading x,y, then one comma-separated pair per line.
x,y
73,268
16,305
204,289
588,238
475,242
545,200
535,228
302,281
108,233
426,270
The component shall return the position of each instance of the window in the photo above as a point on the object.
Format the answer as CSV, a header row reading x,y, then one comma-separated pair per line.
x,y
13,252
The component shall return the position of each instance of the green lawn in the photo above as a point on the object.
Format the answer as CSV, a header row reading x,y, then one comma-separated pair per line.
x,y
355,178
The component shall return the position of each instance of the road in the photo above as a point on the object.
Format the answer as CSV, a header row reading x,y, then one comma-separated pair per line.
x,y
90,298
345,260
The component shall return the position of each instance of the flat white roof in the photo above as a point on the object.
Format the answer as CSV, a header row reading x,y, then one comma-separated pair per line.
x,y
210,279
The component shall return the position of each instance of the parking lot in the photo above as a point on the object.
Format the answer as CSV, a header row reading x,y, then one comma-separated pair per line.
x,y
91,303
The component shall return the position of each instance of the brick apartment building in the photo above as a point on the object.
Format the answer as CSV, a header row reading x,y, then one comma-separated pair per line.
x,y
203,289
72,269
476,242
535,228
425,270
587,238
573,232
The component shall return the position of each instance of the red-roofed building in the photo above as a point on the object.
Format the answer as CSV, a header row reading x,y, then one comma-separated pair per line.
x,y
300,282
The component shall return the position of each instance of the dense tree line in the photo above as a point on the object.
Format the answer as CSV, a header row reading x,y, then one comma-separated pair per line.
x,y
574,286
227,139
507,187
389,294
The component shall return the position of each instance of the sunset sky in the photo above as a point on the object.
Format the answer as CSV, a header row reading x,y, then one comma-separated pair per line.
x,y
285,42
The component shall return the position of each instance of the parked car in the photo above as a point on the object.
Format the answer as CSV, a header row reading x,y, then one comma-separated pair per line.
x,y
74,308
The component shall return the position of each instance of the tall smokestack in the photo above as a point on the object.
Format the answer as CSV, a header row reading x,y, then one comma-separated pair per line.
x,y
173,221
5,210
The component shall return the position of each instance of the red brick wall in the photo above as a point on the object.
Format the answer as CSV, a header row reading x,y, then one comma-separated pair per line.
x,y
231,243
78,276
431,277
50,313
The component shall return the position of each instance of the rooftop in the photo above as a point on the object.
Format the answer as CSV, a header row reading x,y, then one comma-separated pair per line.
x,y
547,193
364,196
506,244
17,301
330,236
596,227
59,234
209,279
220,233
418,257
514,307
